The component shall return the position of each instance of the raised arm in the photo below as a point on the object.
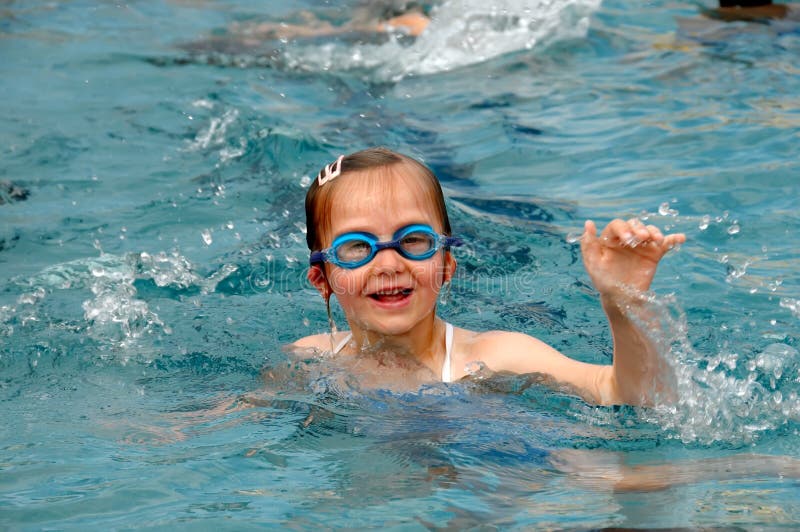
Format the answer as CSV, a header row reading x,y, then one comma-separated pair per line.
x,y
621,263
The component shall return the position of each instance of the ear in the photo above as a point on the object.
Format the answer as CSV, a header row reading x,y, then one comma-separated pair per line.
x,y
450,265
316,276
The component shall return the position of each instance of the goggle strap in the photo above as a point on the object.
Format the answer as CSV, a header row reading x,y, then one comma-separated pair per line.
x,y
452,241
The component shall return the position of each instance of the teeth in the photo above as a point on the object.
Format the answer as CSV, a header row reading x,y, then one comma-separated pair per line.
x,y
392,292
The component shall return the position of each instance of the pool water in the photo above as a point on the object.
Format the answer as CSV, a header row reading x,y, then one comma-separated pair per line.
x,y
153,165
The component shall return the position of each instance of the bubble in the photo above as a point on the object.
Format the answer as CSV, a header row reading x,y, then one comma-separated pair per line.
x,y
734,229
704,222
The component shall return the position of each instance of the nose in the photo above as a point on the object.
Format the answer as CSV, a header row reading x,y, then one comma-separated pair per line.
x,y
388,261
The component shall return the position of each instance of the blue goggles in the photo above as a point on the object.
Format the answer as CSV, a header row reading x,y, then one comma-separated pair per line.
x,y
353,250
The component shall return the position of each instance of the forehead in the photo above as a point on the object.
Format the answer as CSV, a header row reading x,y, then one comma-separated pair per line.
x,y
381,201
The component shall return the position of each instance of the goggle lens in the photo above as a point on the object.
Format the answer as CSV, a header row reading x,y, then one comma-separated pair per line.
x,y
353,251
420,244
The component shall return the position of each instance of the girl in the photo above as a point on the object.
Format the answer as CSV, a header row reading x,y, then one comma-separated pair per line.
x,y
381,243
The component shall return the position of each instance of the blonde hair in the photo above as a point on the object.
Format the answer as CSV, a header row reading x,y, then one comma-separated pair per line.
x,y
380,162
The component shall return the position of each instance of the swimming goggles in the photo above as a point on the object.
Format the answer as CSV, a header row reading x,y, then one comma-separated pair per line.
x,y
353,250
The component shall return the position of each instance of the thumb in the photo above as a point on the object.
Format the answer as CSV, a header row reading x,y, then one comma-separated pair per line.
x,y
589,234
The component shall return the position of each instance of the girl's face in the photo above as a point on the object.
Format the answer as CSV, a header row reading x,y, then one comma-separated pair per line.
x,y
390,295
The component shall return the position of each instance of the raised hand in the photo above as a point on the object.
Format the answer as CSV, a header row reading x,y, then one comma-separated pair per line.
x,y
625,254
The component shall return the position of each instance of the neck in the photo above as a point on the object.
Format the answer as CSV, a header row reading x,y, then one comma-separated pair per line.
x,y
422,344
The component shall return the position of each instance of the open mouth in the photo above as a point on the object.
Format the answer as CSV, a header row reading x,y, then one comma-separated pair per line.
x,y
392,295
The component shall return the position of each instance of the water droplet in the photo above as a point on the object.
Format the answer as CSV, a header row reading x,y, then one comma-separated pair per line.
x,y
573,237
664,210
474,368
704,221
206,235
733,229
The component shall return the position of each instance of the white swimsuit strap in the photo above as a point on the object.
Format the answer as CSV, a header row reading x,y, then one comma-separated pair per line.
x,y
343,343
448,347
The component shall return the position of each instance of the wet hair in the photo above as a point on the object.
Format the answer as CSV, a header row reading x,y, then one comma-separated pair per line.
x,y
744,3
384,164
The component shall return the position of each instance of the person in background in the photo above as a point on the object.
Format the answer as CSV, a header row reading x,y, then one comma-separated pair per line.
x,y
387,16
753,11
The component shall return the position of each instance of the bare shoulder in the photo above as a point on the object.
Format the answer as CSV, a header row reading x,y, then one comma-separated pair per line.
x,y
506,351
505,343
520,353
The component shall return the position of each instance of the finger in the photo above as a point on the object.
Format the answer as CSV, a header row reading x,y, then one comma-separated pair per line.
x,y
655,235
631,232
590,229
670,241
645,233
589,236
618,231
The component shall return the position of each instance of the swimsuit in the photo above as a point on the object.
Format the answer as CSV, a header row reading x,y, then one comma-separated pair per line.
x,y
447,375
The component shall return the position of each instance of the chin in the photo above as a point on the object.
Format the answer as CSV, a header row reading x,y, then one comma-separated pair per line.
x,y
390,329
392,326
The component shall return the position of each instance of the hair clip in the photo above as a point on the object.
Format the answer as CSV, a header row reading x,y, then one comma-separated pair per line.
x,y
330,172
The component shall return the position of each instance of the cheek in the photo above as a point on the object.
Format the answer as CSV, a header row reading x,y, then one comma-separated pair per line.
x,y
344,282
431,275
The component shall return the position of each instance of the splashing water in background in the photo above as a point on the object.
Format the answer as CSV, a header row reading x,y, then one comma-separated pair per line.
x,y
115,316
461,33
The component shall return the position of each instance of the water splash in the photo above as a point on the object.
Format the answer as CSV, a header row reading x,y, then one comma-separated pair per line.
x,y
729,396
116,315
792,304
165,269
461,33
215,133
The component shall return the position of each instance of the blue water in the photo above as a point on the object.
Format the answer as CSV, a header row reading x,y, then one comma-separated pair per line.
x,y
153,167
